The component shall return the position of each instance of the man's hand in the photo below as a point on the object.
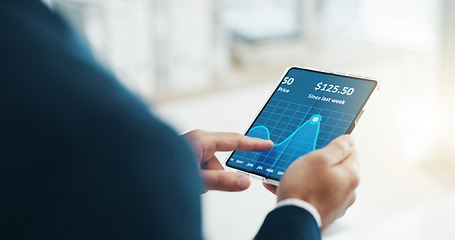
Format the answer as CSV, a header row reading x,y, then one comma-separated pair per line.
x,y
205,144
326,178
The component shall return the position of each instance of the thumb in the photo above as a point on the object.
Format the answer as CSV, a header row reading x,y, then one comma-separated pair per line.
x,y
224,181
339,149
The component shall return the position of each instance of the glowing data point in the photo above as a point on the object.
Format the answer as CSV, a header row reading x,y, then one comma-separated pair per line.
x,y
316,119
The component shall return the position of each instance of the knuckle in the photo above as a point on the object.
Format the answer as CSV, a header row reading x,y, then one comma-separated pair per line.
x,y
198,132
341,146
351,200
316,155
219,180
355,180
342,213
238,139
320,158
194,134
225,181
215,181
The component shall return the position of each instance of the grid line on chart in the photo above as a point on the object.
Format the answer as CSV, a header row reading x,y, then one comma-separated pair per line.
x,y
333,124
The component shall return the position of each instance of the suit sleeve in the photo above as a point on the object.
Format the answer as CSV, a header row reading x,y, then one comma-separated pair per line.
x,y
81,157
289,223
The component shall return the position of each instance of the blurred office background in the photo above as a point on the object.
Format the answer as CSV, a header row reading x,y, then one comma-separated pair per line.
x,y
211,64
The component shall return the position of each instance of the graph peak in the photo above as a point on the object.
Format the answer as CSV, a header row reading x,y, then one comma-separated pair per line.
x,y
315,119
299,143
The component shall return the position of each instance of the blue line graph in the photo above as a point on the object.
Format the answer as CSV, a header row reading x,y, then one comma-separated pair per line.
x,y
300,142
296,129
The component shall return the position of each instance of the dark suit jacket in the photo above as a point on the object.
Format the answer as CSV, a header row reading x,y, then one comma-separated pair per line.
x,y
81,157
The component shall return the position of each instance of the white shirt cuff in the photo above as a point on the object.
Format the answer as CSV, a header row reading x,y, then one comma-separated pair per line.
x,y
303,204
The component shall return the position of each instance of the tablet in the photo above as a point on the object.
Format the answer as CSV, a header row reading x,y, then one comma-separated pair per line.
x,y
308,109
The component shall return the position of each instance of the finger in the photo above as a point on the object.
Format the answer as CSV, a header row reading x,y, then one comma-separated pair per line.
x,y
351,167
351,199
351,162
235,141
224,181
270,187
212,164
339,149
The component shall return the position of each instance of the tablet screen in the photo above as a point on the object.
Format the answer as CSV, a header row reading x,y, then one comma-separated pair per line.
x,y
306,112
